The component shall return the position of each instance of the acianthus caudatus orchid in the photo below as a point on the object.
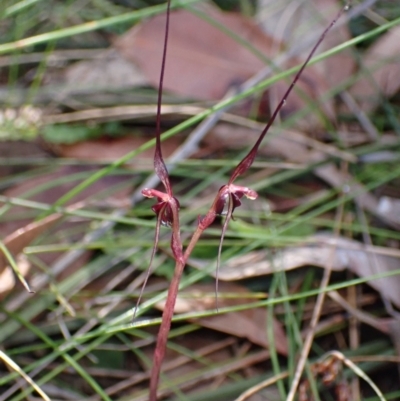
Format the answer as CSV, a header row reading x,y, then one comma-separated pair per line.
x,y
228,198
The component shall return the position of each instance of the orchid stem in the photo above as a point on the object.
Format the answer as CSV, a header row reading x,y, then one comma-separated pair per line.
x,y
162,337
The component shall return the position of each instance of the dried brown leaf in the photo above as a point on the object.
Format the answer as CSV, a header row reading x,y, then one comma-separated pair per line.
x,y
20,233
109,69
250,324
394,327
382,65
293,146
296,24
222,61
390,208
366,200
7,276
349,254
111,149
17,241
203,62
52,194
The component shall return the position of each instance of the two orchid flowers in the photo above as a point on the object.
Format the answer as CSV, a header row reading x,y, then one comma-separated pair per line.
x,y
167,207
226,201
229,196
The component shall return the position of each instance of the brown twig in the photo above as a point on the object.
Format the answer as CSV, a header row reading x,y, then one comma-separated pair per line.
x,y
316,313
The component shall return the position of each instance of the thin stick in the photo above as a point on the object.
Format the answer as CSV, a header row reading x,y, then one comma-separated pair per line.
x,y
15,367
258,387
316,312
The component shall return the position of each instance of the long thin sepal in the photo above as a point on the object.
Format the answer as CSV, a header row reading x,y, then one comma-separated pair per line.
x,y
159,164
248,160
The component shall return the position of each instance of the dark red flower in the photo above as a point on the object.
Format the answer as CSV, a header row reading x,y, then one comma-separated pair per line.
x,y
233,193
227,200
163,208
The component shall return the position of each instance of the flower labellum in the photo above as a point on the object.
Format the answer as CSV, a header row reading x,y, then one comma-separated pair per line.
x,y
163,208
235,193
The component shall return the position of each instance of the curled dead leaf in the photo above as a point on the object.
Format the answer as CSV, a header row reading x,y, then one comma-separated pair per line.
x,y
230,49
250,324
17,241
381,64
390,208
8,278
361,259
109,150
223,62
108,68
295,23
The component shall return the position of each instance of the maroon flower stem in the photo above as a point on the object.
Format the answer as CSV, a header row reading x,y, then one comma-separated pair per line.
x,y
159,165
168,312
165,326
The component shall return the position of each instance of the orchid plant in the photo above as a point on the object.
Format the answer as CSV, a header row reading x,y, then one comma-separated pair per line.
x,y
228,198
